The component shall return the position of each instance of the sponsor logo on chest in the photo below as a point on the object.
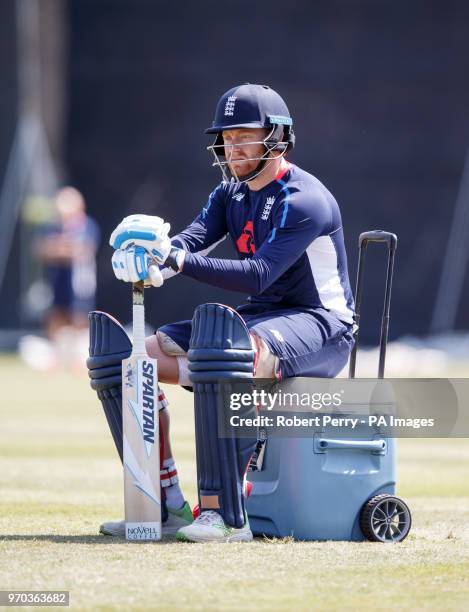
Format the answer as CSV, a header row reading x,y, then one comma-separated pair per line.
x,y
245,242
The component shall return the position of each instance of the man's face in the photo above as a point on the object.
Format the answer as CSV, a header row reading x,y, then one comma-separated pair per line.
x,y
238,151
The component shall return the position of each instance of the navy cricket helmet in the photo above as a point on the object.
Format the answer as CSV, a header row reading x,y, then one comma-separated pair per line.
x,y
252,106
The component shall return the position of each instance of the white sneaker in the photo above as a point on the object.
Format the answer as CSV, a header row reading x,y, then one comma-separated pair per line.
x,y
209,526
176,520
116,529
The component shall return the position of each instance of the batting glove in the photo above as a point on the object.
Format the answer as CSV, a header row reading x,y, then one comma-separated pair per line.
x,y
134,264
145,231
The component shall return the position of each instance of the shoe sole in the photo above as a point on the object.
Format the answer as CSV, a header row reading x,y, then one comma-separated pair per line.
x,y
236,537
165,531
111,534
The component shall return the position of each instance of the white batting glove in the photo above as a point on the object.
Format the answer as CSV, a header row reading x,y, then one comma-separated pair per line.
x,y
135,264
146,231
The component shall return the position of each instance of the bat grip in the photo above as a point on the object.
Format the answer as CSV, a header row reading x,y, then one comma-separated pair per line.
x,y
138,319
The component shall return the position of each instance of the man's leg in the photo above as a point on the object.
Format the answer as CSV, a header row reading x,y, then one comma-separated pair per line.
x,y
172,358
220,352
266,364
168,370
173,363
294,343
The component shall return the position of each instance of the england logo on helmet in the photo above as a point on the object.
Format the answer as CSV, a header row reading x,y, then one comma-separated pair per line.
x,y
251,106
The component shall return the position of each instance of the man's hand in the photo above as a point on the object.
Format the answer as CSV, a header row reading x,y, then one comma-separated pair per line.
x,y
134,264
145,231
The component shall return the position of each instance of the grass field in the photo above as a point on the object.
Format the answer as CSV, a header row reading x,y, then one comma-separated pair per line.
x,y
60,477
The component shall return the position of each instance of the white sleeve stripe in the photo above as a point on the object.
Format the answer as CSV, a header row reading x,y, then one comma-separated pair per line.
x,y
322,258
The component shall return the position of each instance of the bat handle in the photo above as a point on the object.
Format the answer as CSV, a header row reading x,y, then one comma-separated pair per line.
x,y
138,318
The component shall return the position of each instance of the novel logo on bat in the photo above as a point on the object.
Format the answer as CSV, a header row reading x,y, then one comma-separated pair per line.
x,y
142,532
148,403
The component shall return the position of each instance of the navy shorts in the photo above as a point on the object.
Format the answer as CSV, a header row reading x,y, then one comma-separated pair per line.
x,y
314,343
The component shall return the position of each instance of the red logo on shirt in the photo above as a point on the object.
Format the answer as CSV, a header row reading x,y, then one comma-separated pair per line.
x,y
245,242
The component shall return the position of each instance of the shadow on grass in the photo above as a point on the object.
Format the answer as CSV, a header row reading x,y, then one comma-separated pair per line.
x,y
79,539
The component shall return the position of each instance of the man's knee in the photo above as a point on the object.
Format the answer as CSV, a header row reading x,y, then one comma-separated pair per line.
x,y
267,365
168,346
159,345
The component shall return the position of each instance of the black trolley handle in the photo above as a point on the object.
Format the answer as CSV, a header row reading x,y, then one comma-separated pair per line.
x,y
391,241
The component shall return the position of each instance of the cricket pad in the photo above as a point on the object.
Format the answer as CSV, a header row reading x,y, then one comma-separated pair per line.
x,y
220,352
109,345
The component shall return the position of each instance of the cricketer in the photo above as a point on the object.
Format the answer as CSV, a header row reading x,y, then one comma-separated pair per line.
x,y
297,321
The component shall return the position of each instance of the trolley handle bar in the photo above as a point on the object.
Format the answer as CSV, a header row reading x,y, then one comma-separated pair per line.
x,y
378,236
390,239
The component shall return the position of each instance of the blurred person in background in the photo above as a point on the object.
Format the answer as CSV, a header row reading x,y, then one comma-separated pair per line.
x,y
68,248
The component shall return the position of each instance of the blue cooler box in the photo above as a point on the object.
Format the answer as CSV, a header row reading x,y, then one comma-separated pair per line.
x,y
314,488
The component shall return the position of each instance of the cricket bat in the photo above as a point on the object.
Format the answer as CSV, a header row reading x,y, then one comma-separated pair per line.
x,y
141,433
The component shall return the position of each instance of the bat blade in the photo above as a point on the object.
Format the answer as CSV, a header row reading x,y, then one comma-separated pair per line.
x,y
141,448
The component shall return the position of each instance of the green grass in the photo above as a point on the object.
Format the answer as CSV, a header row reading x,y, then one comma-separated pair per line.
x,y
60,477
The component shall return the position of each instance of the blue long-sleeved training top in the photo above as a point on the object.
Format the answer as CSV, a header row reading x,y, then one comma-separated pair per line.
x,y
289,240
